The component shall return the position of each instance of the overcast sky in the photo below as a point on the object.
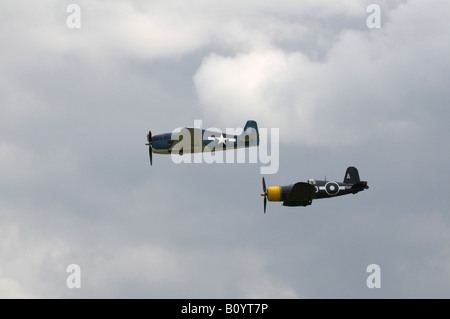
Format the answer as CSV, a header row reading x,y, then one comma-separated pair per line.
x,y
77,188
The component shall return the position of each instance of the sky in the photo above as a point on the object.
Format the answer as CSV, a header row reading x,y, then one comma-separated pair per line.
x,y
76,104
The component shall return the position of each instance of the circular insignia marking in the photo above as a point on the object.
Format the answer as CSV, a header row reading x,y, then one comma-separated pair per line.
x,y
332,188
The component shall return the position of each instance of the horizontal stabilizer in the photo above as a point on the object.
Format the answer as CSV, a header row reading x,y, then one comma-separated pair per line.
x,y
359,187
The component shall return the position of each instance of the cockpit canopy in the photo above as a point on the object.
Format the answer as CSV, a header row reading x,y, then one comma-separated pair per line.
x,y
311,181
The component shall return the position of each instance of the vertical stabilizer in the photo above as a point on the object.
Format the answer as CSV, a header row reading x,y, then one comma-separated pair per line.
x,y
351,176
250,135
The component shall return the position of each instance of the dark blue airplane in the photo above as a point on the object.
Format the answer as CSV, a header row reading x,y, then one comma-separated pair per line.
x,y
302,193
195,140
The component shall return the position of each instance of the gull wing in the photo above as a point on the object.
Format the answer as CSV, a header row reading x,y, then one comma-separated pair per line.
x,y
301,194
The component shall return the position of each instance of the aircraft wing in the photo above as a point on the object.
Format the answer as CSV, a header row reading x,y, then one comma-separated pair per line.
x,y
301,194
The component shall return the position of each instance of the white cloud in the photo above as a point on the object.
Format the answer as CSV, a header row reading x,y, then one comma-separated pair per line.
x,y
11,289
350,96
151,30
31,262
258,85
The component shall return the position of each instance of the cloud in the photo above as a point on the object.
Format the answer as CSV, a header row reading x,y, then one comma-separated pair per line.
x,y
150,30
32,260
76,106
347,98
11,289
164,272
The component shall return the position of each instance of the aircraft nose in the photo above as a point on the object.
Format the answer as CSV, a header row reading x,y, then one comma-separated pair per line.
x,y
274,193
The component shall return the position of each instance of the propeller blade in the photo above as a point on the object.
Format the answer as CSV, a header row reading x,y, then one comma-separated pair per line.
x,y
264,184
150,152
150,144
265,203
149,137
264,194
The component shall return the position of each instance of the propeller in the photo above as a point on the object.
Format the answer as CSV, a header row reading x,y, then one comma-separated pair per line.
x,y
264,194
150,145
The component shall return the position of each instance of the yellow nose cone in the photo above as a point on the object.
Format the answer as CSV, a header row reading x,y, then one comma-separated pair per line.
x,y
262,194
274,194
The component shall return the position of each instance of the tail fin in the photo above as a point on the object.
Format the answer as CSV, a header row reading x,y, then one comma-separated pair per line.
x,y
351,176
250,134
251,127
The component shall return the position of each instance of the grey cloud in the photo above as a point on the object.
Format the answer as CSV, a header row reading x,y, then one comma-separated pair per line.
x,y
77,187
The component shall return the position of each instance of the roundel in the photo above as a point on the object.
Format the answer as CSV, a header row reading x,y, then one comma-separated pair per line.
x,y
332,188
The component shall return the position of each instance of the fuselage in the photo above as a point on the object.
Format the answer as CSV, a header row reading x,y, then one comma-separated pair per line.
x,y
194,140
323,189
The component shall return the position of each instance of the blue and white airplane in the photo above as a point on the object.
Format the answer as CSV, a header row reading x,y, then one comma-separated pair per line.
x,y
195,140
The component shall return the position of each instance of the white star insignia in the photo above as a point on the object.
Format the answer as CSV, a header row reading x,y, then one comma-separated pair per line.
x,y
221,139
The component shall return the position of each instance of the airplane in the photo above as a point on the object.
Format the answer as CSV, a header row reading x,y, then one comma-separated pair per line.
x,y
303,193
195,140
